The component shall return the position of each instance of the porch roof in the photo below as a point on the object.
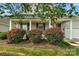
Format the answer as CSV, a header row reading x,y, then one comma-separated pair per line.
x,y
39,20
60,20
27,20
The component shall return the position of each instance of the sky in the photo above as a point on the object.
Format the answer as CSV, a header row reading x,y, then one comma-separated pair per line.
x,y
75,4
77,7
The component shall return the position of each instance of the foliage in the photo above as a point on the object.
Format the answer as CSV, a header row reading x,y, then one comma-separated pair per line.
x,y
18,12
16,35
54,35
1,10
3,35
72,11
41,10
54,11
36,35
49,11
26,7
64,44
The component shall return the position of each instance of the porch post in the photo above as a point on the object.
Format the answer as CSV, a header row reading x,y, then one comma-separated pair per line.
x,y
10,25
30,25
49,23
70,29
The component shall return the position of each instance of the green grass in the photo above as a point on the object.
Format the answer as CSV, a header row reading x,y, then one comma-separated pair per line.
x,y
42,52
2,35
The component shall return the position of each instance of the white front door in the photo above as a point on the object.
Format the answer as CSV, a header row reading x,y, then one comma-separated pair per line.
x,y
25,26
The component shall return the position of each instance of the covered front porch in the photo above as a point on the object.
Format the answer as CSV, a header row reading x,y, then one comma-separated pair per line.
x,y
28,24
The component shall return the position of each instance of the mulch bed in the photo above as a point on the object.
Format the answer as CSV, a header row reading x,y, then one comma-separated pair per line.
x,y
28,44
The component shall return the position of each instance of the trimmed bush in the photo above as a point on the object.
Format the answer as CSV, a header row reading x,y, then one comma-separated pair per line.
x,y
64,44
35,35
54,35
3,35
16,35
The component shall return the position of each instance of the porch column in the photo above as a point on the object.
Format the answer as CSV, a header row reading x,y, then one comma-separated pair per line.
x,y
70,29
10,25
50,24
30,24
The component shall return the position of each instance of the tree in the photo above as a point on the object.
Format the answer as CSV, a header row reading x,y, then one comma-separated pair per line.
x,y
54,11
72,11
26,7
2,10
49,11
17,14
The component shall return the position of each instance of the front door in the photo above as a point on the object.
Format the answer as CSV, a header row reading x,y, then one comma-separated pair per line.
x,y
25,26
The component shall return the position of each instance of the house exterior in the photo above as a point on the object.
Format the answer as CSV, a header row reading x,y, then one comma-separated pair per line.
x,y
70,26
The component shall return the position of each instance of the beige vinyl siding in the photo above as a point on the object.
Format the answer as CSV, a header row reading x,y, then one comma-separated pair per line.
x,y
3,28
4,25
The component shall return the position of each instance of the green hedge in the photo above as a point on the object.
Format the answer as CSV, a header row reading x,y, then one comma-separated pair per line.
x,y
3,35
16,35
54,35
35,36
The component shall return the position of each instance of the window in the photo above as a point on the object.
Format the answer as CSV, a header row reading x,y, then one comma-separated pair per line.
x,y
40,26
59,25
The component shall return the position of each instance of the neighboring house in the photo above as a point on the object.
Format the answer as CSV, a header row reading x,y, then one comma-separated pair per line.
x,y
70,26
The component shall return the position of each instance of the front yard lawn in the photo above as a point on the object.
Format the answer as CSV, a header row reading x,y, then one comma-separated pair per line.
x,y
39,51
27,48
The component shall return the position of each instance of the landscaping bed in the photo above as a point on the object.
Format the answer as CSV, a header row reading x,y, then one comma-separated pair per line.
x,y
28,48
39,43
28,44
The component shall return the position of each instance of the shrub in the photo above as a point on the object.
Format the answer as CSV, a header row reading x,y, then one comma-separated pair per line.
x,y
3,35
35,35
64,44
16,35
54,35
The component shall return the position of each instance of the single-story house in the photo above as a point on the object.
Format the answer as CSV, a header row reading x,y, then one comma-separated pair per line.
x,y
70,26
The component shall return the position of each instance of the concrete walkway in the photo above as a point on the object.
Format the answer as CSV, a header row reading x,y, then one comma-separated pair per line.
x,y
73,42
